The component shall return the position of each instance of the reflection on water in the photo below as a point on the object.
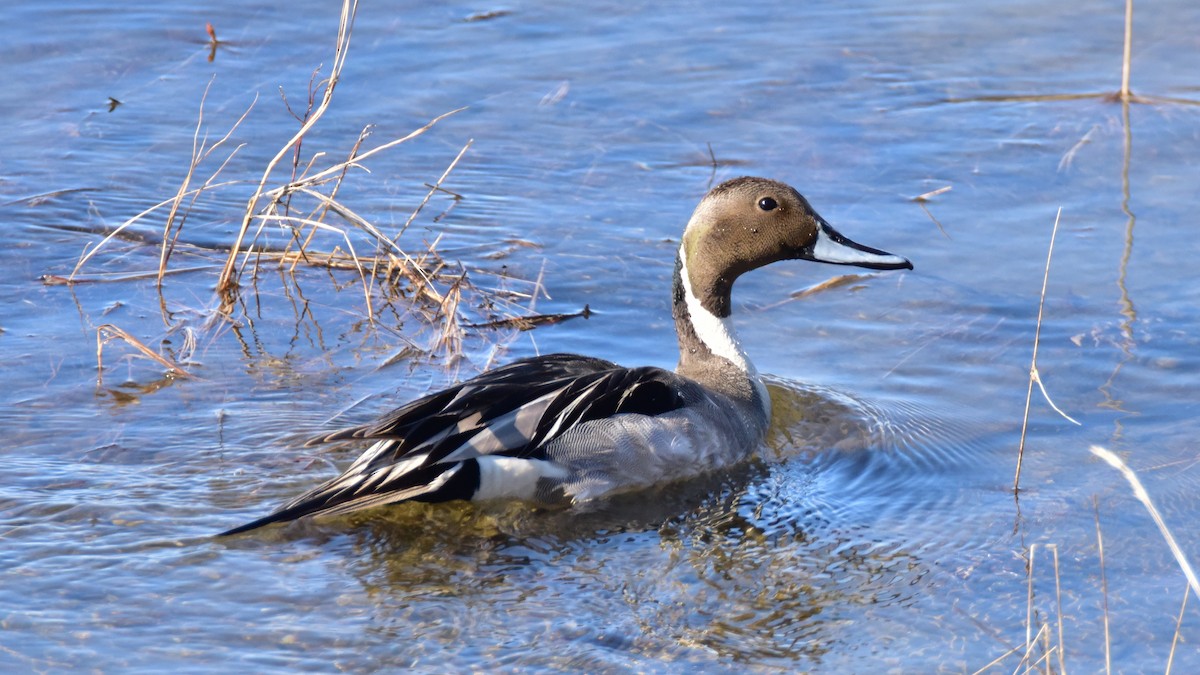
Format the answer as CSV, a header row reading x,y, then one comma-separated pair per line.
x,y
857,462
770,563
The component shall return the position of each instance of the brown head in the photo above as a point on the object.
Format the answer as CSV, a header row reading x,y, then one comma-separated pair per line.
x,y
746,223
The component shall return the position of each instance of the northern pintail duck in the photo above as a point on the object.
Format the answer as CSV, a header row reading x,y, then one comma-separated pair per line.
x,y
567,428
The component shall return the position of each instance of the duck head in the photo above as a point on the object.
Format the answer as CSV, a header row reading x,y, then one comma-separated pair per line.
x,y
746,223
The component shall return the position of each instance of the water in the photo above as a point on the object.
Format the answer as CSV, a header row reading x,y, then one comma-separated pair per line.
x,y
877,531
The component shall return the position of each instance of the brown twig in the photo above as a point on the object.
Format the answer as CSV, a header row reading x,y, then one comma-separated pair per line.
x,y
306,184
89,252
324,203
199,154
226,282
1126,57
1062,665
530,322
932,193
1178,626
436,186
1140,493
1029,636
1033,370
108,332
1103,586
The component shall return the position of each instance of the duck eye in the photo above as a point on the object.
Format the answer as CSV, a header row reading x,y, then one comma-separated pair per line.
x,y
767,204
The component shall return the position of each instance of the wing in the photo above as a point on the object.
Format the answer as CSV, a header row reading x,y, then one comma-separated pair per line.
x,y
485,437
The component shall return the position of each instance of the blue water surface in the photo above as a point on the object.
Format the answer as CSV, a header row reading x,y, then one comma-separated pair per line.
x,y
876,531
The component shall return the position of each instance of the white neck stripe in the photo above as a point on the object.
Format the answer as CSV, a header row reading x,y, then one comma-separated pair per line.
x,y
716,333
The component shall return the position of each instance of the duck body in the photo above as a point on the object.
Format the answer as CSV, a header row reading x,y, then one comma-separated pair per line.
x,y
564,428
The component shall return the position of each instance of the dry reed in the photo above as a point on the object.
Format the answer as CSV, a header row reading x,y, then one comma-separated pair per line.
x,y
1178,627
1139,492
1126,56
1034,376
226,281
306,205
108,332
200,152
1103,586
